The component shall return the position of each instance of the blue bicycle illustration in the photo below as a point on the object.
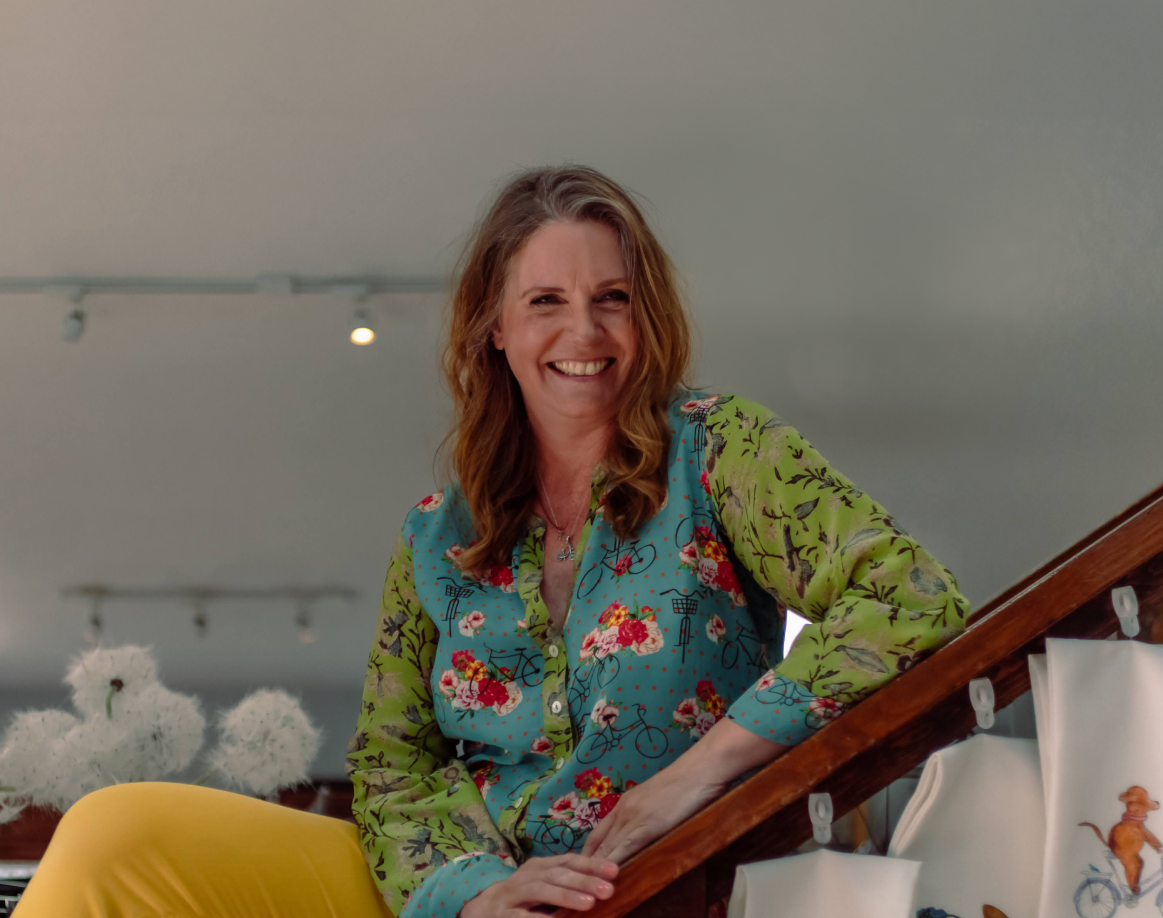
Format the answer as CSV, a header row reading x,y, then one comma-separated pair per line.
x,y
1103,891
652,742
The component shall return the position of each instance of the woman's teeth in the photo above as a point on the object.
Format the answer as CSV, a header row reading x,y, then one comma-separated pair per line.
x,y
577,368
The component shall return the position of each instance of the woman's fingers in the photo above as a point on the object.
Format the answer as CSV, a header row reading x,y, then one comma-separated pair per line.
x,y
588,882
550,893
563,881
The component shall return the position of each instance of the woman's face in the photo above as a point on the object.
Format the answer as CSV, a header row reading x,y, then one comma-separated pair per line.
x,y
565,322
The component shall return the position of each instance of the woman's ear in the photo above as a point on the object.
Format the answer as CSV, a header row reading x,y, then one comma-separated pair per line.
x,y
498,338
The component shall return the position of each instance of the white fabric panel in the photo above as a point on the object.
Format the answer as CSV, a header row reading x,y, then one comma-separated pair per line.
x,y
977,825
824,884
1099,727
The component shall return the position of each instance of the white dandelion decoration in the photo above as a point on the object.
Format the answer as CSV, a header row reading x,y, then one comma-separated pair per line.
x,y
132,728
267,742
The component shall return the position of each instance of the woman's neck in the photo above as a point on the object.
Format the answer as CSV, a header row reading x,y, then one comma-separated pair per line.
x,y
568,452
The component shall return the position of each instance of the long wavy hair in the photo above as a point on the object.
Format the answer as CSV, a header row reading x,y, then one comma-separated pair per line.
x,y
492,455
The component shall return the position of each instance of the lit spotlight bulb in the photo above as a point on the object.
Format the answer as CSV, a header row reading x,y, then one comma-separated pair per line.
x,y
361,328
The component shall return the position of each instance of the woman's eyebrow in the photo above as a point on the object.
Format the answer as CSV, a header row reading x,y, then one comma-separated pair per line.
x,y
609,283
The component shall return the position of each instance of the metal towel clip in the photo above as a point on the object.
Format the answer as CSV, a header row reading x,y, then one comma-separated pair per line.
x,y
820,812
981,697
1126,605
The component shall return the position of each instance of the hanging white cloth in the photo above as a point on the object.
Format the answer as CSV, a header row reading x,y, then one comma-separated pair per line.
x,y
1096,708
976,822
824,884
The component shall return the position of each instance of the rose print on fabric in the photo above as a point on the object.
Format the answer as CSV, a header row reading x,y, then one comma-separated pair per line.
x,y
700,713
699,405
431,502
542,745
716,628
595,797
773,689
472,685
620,628
707,556
471,623
484,778
499,576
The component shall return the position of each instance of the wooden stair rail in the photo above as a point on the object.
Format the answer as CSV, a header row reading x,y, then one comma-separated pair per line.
x,y
900,725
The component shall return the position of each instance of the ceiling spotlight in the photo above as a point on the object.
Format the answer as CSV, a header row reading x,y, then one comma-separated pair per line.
x,y
201,622
360,328
74,325
93,632
303,620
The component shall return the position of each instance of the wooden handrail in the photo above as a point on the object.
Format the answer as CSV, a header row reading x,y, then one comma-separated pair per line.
x,y
900,725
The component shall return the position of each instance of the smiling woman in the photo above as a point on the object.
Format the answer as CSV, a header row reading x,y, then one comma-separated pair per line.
x,y
607,690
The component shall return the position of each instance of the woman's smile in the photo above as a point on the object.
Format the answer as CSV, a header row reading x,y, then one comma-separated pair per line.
x,y
581,369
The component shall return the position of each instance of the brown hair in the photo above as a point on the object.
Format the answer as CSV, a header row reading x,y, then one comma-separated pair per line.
x,y
493,458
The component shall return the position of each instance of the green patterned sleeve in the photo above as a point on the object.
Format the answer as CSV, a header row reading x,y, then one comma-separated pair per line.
x,y
426,835
877,602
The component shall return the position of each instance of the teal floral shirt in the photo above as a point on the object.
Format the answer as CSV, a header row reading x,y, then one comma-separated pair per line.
x,y
485,739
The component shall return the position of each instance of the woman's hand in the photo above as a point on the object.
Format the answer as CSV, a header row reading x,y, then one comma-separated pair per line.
x,y
561,881
701,774
651,809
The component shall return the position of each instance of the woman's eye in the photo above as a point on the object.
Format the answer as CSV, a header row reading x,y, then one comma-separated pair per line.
x,y
617,294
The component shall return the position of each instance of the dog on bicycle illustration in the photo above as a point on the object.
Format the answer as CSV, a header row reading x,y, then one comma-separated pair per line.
x,y
1127,836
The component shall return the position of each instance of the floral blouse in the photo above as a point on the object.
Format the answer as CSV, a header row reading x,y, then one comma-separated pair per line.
x,y
665,635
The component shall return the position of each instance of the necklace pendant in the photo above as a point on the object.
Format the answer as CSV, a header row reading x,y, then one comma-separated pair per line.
x,y
566,552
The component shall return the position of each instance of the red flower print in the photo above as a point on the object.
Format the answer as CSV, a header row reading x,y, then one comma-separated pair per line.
x,y
583,781
703,533
494,692
705,482
501,576
622,565
613,614
725,578
431,502
704,689
607,803
461,658
632,631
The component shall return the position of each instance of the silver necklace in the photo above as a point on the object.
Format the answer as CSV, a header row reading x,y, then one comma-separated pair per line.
x,y
567,552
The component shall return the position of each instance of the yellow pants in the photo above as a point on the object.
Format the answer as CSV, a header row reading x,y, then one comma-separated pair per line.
x,y
165,850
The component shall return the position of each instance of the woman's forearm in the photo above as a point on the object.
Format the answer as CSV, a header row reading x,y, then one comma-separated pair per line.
x,y
725,752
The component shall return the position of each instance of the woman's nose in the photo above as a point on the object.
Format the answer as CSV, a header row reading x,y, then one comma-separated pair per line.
x,y
583,323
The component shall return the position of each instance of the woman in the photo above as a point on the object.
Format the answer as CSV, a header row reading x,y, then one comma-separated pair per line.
x,y
586,604
589,606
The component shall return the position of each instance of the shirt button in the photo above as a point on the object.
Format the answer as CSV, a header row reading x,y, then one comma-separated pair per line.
x,y
555,707
558,764
553,650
